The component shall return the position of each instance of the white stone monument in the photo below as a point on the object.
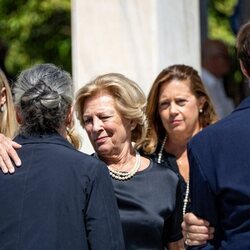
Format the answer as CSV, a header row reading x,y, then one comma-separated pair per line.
x,y
137,38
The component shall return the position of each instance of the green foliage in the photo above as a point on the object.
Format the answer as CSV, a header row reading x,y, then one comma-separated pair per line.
x,y
35,32
219,27
219,14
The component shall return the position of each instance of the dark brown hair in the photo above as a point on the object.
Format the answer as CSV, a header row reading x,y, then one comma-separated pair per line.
x,y
243,46
156,130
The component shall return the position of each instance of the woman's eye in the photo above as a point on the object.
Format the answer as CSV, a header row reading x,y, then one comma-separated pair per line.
x,y
181,102
106,117
87,120
164,104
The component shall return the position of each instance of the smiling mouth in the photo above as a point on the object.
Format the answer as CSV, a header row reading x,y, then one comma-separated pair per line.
x,y
101,139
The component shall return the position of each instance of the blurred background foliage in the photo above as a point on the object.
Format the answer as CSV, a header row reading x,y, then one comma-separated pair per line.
x,y
220,13
39,31
35,31
222,22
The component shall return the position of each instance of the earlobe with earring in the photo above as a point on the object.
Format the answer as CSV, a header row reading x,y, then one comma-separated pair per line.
x,y
132,128
133,125
2,108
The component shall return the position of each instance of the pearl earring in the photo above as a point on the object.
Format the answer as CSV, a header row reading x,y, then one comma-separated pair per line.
x,y
132,127
2,108
201,110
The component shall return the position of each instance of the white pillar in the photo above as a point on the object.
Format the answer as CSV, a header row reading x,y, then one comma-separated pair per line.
x,y
137,38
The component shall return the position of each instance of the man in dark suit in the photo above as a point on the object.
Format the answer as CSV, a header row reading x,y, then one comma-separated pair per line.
x,y
220,169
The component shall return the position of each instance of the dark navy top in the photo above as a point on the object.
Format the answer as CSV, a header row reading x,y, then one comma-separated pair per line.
x,y
220,179
168,160
150,207
58,199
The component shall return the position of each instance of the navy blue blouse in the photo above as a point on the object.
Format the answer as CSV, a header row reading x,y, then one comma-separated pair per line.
x,y
150,207
168,160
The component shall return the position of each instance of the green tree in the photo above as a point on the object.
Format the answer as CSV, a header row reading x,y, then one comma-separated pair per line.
x,y
219,27
35,32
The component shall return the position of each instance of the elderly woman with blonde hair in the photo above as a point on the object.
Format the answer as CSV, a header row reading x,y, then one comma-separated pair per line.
x,y
111,110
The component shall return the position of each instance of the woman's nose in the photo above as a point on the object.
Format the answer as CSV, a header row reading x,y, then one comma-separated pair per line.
x,y
97,124
173,108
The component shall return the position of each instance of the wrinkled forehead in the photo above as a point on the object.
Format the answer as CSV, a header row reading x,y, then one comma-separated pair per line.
x,y
186,83
100,102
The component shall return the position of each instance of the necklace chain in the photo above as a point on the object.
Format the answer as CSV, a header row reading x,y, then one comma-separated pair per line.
x,y
161,150
123,176
186,198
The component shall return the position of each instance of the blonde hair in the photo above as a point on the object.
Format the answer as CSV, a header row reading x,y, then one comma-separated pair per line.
x,y
130,101
157,132
72,136
8,123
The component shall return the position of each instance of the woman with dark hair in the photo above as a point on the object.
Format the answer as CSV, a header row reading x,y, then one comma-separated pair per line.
x,y
178,108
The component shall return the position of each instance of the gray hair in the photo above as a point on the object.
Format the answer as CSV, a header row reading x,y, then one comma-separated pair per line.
x,y
43,95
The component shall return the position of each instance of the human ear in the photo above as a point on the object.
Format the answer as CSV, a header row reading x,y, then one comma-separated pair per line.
x,y
18,115
132,125
3,96
201,102
243,69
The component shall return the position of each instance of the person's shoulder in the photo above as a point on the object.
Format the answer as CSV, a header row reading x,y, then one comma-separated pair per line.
x,y
87,166
84,163
164,171
227,124
207,134
243,106
164,177
217,133
168,161
86,159
152,156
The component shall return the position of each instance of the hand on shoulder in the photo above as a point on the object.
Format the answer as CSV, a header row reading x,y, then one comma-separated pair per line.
x,y
8,154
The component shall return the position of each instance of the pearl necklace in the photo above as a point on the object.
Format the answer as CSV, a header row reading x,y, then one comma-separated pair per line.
x,y
123,176
161,150
186,198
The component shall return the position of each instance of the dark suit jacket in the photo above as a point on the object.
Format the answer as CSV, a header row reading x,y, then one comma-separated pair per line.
x,y
59,198
220,178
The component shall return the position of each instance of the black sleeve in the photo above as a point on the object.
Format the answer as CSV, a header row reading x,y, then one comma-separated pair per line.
x,y
203,203
102,218
172,226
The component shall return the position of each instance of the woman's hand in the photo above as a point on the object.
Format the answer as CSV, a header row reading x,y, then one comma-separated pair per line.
x,y
196,231
8,153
